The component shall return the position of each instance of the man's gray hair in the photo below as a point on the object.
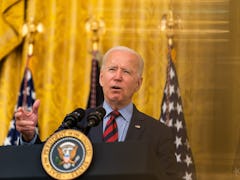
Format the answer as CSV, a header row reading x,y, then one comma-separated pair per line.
x,y
124,48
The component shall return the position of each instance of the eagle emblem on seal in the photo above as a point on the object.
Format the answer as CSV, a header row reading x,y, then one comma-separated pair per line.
x,y
67,153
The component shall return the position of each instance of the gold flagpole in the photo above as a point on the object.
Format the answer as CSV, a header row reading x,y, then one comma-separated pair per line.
x,y
29,30
169,24
96,27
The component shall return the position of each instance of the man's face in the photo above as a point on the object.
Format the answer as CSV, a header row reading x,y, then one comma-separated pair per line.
x,y
119,78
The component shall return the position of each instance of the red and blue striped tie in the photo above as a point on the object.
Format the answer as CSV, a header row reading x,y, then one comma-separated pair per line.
x,y
111,131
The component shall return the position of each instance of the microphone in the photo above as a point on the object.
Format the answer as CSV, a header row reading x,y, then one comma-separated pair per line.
x,y
94,118
71,119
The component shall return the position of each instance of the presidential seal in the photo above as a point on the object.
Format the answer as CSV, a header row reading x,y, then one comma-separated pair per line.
x,y
67,154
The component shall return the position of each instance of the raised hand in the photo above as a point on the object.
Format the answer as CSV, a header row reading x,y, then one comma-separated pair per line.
x,y
26,121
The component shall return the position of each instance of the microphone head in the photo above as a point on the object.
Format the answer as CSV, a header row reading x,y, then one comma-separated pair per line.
x,y
95,117
101,112
71,119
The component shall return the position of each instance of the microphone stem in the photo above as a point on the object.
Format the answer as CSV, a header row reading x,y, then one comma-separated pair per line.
x,y
86,130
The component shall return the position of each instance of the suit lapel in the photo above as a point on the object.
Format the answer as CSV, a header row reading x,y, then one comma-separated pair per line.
x,y
96,133
136,127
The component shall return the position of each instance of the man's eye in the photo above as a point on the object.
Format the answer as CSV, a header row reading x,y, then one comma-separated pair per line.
x,y
112,69
126,71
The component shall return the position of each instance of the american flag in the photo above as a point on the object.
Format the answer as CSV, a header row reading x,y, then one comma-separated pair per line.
x,y
96,93
172,116
26,98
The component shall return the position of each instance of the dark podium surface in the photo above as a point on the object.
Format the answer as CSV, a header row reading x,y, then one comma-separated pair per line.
x,y
110,161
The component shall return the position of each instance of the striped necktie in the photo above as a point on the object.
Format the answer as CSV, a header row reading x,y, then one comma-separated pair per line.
x,y
111,132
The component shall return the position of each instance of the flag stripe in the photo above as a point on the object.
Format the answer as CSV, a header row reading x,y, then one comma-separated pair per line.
x,y
96,93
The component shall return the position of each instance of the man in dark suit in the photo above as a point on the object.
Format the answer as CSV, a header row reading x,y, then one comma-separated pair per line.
x,y
120,77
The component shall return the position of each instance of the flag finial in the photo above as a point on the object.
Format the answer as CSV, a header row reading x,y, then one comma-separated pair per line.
x,y
169,24
95,26
29,29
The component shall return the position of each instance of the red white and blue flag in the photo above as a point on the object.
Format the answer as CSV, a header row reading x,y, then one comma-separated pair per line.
x,y
172,116
26,98
96,93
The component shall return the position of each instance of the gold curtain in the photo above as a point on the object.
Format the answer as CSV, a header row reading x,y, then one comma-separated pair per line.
x,y
62,60
11,21
207,64
12,18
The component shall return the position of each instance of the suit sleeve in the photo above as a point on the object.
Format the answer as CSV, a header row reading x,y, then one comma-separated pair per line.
x,y
165,152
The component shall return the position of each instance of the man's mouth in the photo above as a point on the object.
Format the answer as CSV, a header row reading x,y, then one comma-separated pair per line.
x,y
115,87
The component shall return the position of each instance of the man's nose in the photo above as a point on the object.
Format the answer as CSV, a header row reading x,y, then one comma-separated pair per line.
x,y
118,75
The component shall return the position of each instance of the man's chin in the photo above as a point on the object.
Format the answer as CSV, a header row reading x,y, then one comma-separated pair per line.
x,y
115,99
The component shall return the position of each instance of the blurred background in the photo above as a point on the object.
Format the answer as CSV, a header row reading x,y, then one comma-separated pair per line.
x,y
207,60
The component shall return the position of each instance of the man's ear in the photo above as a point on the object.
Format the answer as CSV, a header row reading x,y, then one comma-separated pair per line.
x,y
100,78
139,83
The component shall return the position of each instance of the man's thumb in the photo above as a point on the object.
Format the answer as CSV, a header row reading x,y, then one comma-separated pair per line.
x,y
36,106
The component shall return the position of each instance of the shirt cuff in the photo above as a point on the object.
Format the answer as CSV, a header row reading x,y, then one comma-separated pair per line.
x,y
22,142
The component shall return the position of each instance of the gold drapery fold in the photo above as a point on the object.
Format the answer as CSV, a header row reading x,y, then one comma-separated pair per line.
x,y
10,79
11,21
11,68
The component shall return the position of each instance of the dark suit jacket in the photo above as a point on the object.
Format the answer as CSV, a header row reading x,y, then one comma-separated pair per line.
x,y
146,129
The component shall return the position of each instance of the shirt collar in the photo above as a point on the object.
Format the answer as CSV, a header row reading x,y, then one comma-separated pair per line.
x,y
125,112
